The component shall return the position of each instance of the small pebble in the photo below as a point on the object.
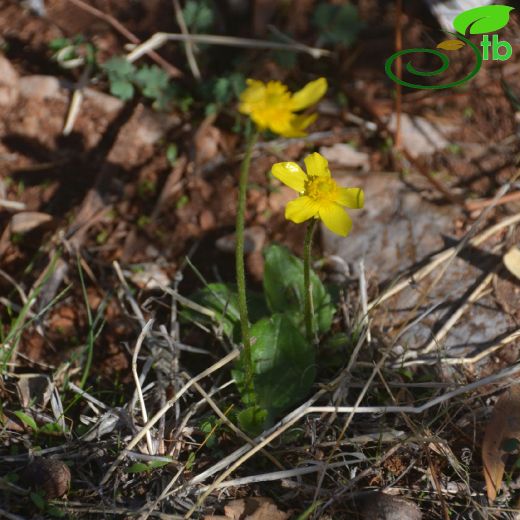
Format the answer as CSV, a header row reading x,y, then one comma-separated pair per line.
x,y
380,506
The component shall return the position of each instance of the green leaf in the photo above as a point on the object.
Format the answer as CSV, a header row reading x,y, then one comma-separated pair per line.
x,y
141,467
51,428
284,365
198,15
191,460
172,152
56,512
59,43
252,420
285,59
337,23
510,445
38,500
118,66
284,289
137,467
120,72
228,87
221,90
122,89
310,510
223,300
153,81
484,19
210,427
27,420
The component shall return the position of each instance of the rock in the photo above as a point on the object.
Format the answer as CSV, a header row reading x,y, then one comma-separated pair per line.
x,y
445,12
104,102
254,240
342,154
381,506
41,87
9,83
420,136
149,276
51,476
135,143
396,228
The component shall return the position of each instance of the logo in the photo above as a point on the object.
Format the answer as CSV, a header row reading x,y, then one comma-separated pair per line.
x,y
481,20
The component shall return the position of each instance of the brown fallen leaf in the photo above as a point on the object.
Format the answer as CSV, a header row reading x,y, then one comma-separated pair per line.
x,y
207,141
252,508
503,425
28,220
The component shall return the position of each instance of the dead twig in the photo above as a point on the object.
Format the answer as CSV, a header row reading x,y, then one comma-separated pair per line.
x,y
189,47
159,39
474,205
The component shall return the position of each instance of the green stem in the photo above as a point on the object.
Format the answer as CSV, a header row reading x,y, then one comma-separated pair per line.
x,y
241,276
307,279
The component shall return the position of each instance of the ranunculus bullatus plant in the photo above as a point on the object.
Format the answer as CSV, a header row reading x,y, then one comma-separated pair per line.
x,y
270,106
320,197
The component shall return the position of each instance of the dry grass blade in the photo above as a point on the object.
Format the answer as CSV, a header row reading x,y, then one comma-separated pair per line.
x,y
445,256
216,366
512,261
503,425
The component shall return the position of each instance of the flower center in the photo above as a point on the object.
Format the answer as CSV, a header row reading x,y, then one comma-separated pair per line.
x,y
321,189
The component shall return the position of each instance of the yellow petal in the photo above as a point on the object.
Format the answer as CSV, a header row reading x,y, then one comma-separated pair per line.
x,y
300,123
301,209
286,128
317,165
290,174
309,95
294,126
335,218
254,93
353,198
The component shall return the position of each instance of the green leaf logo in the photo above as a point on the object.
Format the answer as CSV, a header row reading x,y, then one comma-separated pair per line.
x,y
481,20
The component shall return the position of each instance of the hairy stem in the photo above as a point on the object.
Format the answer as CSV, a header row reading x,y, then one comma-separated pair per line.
x,y
307,280
241,276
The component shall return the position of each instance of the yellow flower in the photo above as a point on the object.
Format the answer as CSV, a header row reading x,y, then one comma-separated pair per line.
x,y
271,105
320,196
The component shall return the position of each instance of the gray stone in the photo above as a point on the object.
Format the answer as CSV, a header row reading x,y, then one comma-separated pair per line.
x,y
396,228
397,231
380,506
